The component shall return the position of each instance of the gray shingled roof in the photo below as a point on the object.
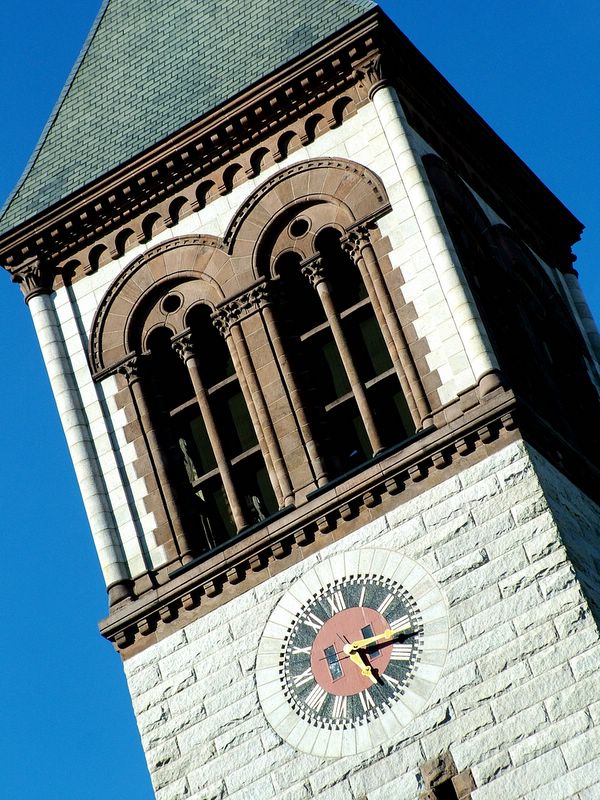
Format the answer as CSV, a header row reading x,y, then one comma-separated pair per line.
x,y
150,67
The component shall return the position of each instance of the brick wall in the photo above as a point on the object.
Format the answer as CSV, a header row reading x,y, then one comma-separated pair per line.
x,y
518,703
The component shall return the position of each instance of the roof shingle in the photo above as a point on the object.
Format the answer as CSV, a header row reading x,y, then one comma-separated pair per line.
x,y
149,68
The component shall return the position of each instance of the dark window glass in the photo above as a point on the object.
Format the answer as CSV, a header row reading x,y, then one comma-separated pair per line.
x,y
255,489
366,344
170,378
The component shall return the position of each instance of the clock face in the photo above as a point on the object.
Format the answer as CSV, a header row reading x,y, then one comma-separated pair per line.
x,y
351,652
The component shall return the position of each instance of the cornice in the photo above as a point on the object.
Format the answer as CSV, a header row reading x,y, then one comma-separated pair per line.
x,y
360,59
184,158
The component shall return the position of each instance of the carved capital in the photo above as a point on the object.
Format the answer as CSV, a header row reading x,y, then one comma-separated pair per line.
x,y
131,369
233,311
314,270
375,74
184,346
34,278
354,242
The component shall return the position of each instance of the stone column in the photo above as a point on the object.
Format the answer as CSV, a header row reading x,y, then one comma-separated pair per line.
x,y
131,371
315,272
585,315
184,347
227,320
358,246
435,235
35,282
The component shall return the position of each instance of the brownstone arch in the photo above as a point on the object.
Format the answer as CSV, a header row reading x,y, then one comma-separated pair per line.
x,y
324,192
167,267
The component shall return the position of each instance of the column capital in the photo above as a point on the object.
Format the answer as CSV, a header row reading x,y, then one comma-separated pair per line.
x,y
34,277
231,312
184,346
131,368
375,74
355,241
315,270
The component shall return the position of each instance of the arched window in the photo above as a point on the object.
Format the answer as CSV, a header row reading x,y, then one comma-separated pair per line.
x,y
348,382
205,427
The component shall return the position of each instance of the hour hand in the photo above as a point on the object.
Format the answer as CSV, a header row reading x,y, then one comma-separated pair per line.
x,y
380,637
357,659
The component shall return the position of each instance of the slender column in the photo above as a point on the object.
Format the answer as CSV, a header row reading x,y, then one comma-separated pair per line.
x,y
290,381
185,349
131,371
358,245
226,321
314,271
437,241
91,482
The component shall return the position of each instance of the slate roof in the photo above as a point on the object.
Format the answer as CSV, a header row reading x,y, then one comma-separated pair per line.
x,y
149,68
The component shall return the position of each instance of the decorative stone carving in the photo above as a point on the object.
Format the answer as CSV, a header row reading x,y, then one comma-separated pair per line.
x,y
184,346
34,278
315,270
233,311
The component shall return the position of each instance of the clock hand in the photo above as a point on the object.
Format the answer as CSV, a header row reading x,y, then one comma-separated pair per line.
x,y
357,659
380,637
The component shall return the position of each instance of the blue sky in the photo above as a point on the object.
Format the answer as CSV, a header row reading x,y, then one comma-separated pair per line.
x,y
66,728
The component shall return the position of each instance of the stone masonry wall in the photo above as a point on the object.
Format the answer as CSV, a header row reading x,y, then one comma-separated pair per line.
x,y
519,699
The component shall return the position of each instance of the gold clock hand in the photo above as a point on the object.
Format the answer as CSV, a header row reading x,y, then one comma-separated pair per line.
x,y
380,637
357,659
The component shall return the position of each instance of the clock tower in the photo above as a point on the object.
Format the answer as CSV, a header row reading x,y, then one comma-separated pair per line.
x,y
331,390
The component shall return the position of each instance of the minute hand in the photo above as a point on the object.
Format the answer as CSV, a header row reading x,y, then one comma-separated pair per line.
x,y
381,637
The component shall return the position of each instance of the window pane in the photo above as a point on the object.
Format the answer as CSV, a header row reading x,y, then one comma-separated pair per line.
x,y
342,273
392,416
233,420
214,359
212,509
347,442
171,382
366,344
254,487
302,309
193,442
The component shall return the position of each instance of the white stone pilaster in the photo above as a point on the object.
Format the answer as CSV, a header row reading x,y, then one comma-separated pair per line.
x,y
77,433
437,241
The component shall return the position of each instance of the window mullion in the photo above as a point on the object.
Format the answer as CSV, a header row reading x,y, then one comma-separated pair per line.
x,y
314,271
184,347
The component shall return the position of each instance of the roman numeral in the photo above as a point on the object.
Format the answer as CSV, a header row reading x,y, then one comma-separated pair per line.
x,y
366,700
340,706
304,677
363,592
384,605
337,602
312,621
392,681
401,652
400,624
296,651
316,698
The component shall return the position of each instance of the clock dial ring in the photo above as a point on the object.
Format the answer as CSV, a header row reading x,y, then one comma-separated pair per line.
x,y
357,699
